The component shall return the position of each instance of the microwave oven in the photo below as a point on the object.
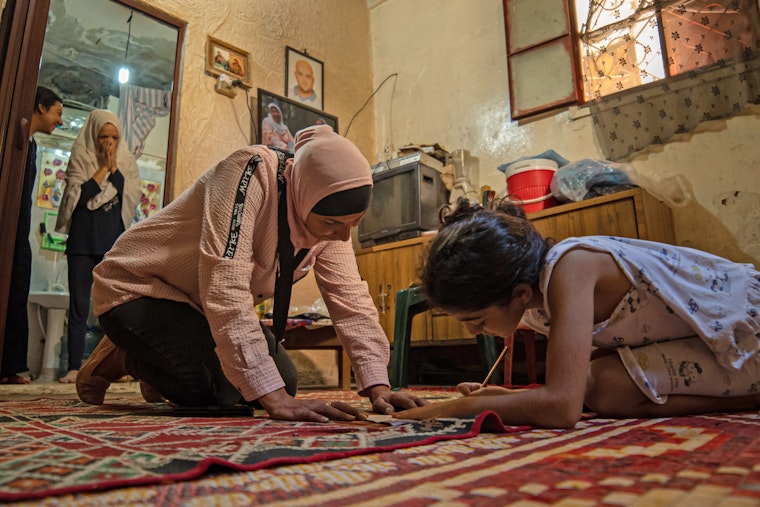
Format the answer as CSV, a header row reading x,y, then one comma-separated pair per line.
x,y
406,196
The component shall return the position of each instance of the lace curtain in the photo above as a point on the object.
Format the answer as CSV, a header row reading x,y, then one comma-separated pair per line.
x,y
710,68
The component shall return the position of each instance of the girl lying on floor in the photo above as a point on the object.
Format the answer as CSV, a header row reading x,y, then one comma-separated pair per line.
x,y
676,329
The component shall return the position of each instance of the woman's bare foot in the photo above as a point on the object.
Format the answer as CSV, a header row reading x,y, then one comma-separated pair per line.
x,y
69,378
14,379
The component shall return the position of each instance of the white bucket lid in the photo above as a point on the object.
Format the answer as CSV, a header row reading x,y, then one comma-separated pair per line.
x,y
531,164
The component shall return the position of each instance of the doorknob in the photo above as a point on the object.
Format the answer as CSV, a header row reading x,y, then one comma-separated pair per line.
x,y
382,295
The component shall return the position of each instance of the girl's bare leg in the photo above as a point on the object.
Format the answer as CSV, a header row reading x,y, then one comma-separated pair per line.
x,y
610,392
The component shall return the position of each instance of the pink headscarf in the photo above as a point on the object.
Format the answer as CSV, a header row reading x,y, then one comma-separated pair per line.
x,y
325,163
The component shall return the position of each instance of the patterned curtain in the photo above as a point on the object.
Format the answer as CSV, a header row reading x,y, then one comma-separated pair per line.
x,y
659,68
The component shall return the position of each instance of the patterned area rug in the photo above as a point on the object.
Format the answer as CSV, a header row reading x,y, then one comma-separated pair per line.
x,y
59,446
710,461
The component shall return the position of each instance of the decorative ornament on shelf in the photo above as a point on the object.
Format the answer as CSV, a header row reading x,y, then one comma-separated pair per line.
x,y
466,169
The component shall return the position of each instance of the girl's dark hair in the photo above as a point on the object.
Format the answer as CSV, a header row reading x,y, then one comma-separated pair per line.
x,y
480,255
46,98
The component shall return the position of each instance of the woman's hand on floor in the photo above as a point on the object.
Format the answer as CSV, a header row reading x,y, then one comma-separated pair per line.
x,y
282,406
385,401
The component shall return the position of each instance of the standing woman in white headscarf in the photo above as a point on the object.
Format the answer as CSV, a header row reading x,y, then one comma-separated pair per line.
x,y
176,295
102,193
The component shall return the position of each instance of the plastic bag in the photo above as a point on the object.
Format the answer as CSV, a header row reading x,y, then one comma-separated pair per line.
x,y
588,178
672,189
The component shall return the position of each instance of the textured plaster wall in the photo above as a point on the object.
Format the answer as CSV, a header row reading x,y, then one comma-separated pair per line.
x,y
211,125
452,88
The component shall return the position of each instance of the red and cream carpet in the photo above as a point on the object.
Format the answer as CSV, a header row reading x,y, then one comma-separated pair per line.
x,y
59,452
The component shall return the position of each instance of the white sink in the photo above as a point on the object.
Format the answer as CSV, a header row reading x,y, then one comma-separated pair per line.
x,y
49,299
56,303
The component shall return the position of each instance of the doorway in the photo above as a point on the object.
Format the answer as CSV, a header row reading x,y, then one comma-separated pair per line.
x,y
75,47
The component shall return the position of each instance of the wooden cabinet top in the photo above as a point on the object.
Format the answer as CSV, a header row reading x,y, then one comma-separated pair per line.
x,y
655,225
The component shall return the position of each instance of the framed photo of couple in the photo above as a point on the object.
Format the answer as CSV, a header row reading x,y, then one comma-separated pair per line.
x,y
223,58
304,79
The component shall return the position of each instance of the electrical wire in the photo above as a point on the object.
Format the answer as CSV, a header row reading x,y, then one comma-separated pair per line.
x,y
239,84
129,36
395,74
253,122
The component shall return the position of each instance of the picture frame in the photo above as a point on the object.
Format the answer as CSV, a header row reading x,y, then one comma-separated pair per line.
x,y
303,70
225,59
294,117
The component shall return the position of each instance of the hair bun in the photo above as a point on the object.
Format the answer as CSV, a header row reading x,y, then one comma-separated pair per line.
x,y
462,209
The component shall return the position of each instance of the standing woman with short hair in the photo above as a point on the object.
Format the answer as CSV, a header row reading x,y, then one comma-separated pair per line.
x,y
47,115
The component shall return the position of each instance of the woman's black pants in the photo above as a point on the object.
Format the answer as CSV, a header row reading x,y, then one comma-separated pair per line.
x,y
169,345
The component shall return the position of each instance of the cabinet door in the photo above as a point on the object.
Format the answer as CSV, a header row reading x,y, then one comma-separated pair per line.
x,y
386,272
401,271
371,270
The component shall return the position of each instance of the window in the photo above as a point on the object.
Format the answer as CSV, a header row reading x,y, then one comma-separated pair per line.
x,y
624,44
540,58
562,52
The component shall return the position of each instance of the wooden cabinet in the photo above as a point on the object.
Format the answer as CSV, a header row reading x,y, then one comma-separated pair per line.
x,y
631,214
389,268
395,266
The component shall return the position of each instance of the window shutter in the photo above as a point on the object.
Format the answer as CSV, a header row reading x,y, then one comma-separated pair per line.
x,y
540,56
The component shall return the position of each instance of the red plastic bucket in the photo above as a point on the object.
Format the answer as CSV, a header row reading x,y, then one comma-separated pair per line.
x,y
528,183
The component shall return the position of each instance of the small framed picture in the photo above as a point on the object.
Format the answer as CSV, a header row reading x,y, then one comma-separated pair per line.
x,y
304,79
223,58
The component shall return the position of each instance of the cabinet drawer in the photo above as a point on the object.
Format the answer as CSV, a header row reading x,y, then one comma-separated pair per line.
x,y
617,218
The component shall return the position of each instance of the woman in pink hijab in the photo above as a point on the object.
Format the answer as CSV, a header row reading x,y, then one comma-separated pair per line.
x,y
177,292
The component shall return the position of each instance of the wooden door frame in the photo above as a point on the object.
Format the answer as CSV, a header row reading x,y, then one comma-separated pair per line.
x,y
22,34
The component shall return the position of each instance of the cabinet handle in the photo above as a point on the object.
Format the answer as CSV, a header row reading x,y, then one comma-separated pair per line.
x,y
382,295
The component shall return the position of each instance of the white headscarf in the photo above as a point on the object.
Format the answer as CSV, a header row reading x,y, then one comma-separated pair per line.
x,y
277,126
324,163
84,163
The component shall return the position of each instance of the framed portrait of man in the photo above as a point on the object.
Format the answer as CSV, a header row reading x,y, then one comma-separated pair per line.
x,y
304,78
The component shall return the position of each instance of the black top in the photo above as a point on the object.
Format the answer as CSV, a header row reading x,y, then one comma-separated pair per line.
x,y
22,247
93,232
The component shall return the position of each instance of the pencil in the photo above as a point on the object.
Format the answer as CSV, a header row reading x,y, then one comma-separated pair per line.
x,y
495,365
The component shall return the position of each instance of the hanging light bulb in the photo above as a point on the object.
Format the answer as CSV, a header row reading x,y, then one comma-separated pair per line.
x,y
124,74
124,70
